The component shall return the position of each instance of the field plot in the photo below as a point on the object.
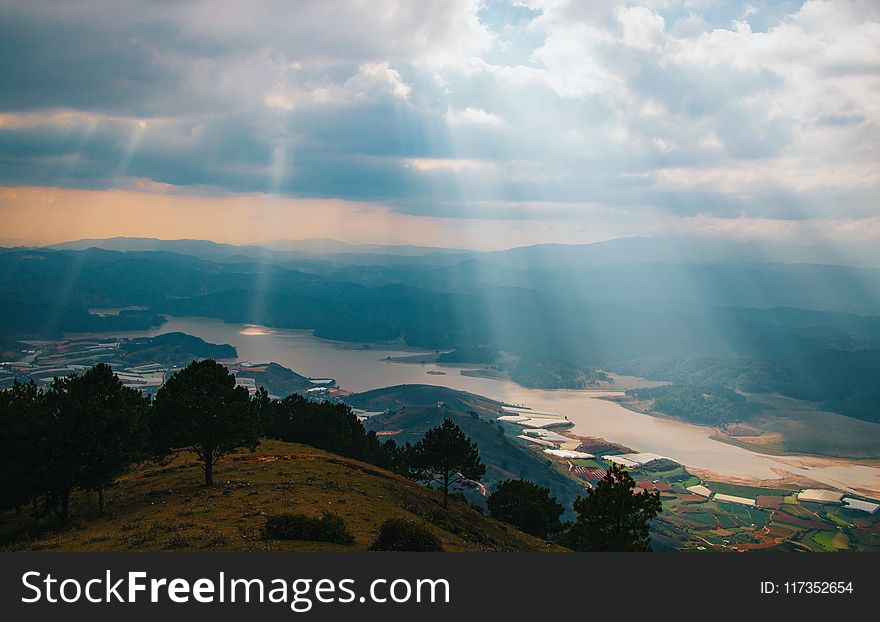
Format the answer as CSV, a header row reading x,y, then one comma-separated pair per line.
x,y
749,492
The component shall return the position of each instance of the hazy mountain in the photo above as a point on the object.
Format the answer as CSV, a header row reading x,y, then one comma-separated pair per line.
x,y
279,250
685,250
327,246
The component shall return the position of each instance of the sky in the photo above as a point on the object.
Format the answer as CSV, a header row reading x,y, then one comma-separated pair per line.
x,y
465,123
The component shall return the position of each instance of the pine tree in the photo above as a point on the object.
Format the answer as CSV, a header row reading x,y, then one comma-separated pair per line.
x,y
446,456
611,517
201,409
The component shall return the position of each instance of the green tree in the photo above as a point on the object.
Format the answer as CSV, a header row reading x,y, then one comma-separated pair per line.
x,y
527,507
445,456
22,407
611,517
201,409
106,424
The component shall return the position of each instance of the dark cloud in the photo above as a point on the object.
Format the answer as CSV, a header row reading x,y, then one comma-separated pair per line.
x,y
414,105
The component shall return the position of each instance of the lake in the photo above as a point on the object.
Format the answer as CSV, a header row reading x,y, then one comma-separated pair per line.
x,y
360,370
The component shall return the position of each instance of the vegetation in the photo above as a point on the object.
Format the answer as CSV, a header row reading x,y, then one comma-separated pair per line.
x,y
99,428
23,419
323,425
328,528
200,408
82,433
527,507
749,492
277,379
714,406
544,373
842,381
611,517
410,410
399,534
794,426
170,348
478,355
445,456
163,506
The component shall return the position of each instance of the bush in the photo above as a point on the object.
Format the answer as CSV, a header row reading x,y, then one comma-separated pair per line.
x,y
328,528
397,534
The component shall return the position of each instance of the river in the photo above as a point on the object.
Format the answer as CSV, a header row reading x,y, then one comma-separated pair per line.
x,y
360,370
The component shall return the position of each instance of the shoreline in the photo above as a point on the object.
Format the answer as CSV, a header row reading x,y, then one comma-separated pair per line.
x,y
606,393
795,460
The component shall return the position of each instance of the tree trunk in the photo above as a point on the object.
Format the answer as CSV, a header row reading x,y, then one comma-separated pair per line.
x,y
101,500
209,468
446,489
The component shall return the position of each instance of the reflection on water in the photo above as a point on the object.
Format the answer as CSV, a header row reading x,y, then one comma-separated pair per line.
x,y
364,369
251,330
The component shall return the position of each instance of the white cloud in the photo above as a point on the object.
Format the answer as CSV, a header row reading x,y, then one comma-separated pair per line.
x,y
591,99
473,116
456,165
642,29
373,77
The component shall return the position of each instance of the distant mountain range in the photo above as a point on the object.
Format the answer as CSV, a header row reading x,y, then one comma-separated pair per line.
x,y
631,250
276,250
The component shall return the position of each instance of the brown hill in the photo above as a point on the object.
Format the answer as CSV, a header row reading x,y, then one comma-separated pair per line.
x,y
165,507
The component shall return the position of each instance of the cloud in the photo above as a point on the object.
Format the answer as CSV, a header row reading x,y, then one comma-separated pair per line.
x,y
476,116
623,111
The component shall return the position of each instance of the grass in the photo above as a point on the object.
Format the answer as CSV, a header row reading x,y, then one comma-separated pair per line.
x,y
592,464
796,426
839,520
693,480
668,475
168,508
831,540
749,492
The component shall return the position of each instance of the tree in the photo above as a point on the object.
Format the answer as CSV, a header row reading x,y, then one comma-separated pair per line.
x,y
446,456
527,507
104,421
324,425
201,409
612,518
22,407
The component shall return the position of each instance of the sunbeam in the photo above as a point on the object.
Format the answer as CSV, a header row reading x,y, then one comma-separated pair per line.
x,y
577,242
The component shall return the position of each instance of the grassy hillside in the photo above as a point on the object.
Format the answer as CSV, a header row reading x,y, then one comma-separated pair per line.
x,y
165,507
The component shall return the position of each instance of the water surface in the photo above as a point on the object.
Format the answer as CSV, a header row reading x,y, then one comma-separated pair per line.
x,y
361,370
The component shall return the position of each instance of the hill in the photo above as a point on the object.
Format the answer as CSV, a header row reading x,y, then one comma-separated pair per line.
x,y
277,379
411,409
173,348
165,507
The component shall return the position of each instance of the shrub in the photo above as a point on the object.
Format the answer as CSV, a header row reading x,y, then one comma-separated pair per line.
x,y
397,534
328,528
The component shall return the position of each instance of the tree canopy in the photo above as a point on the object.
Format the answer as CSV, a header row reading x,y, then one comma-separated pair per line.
x,y
526,506
22,409
201,409
81,433
612,517
100,423
445,456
